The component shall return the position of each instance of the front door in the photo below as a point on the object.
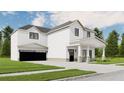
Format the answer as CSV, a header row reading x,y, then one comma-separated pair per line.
x,y
71,55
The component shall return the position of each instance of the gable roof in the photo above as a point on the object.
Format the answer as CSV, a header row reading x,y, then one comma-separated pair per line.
x,y
26,27
42,29
62,25
54,29
67,24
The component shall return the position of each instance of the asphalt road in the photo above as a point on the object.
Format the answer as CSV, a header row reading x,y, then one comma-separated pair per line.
x,y
112,76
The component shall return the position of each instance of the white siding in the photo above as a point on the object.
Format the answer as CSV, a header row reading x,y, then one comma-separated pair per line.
x,y
92,34
57,44
14,49
82,32
23,37
72,32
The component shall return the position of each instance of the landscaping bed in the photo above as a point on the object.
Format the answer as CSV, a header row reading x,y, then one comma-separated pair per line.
x,y
114,60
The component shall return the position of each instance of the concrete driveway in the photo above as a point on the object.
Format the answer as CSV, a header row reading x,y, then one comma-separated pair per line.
x,y
83,66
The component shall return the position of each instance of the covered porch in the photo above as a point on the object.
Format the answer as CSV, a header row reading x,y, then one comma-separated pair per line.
x,y
83,50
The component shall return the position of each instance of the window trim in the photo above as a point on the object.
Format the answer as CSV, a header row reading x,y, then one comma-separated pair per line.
x,y
88,34
34,35
76,30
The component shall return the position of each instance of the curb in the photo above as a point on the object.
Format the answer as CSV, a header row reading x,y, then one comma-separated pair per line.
x,y
77,77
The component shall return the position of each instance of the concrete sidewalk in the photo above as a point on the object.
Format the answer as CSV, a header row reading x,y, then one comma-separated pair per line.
x,y
31,72
99,68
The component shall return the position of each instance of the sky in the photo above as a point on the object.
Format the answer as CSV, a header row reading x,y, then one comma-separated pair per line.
x,y
105,21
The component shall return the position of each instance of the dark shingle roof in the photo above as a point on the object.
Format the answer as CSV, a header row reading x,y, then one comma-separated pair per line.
x,y
62,25
42,29
66,24
26,27
54,29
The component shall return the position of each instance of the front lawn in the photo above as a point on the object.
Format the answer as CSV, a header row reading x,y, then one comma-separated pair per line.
x,y
8,66
47,76
110,60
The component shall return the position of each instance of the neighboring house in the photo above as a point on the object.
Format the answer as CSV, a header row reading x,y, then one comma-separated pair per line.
x,y
70,41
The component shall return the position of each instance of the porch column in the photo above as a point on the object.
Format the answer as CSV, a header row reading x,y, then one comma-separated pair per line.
x,y
103,54
93,53
88,57
79,54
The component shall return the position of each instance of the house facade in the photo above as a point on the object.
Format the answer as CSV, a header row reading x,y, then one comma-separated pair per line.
x,y
70,41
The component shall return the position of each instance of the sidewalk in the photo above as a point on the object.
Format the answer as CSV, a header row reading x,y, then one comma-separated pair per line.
x,y
31,72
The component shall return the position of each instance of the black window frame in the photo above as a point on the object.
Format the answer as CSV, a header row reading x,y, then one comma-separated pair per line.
x,y
33,35
88,34
76,31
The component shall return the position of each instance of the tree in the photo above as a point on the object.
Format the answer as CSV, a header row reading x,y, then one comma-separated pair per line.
x,y
98,52
98,34
0,41
0,35
6,48
122,46
6,33
112,44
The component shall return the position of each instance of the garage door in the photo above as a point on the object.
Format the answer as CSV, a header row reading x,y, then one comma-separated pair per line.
x,y
32,56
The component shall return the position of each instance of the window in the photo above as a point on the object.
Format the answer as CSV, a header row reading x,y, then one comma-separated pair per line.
x,y
33,35
76,32
88,34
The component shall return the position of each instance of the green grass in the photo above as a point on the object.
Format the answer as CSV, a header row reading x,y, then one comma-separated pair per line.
x,y
47,76
115,60
8,66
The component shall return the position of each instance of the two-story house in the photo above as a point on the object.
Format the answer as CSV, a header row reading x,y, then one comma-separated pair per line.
x,y
70,41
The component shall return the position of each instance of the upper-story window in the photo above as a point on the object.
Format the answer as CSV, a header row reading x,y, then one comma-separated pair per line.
x,y
88,34
33,35
76,31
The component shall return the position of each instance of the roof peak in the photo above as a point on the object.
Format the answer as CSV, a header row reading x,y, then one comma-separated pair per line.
x,y
42,29
32,26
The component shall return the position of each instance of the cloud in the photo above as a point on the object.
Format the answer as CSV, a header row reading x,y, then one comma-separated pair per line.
x,y
39,20
8,13
90,19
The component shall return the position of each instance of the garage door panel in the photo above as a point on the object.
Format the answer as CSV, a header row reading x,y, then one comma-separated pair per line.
x,y
32,56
